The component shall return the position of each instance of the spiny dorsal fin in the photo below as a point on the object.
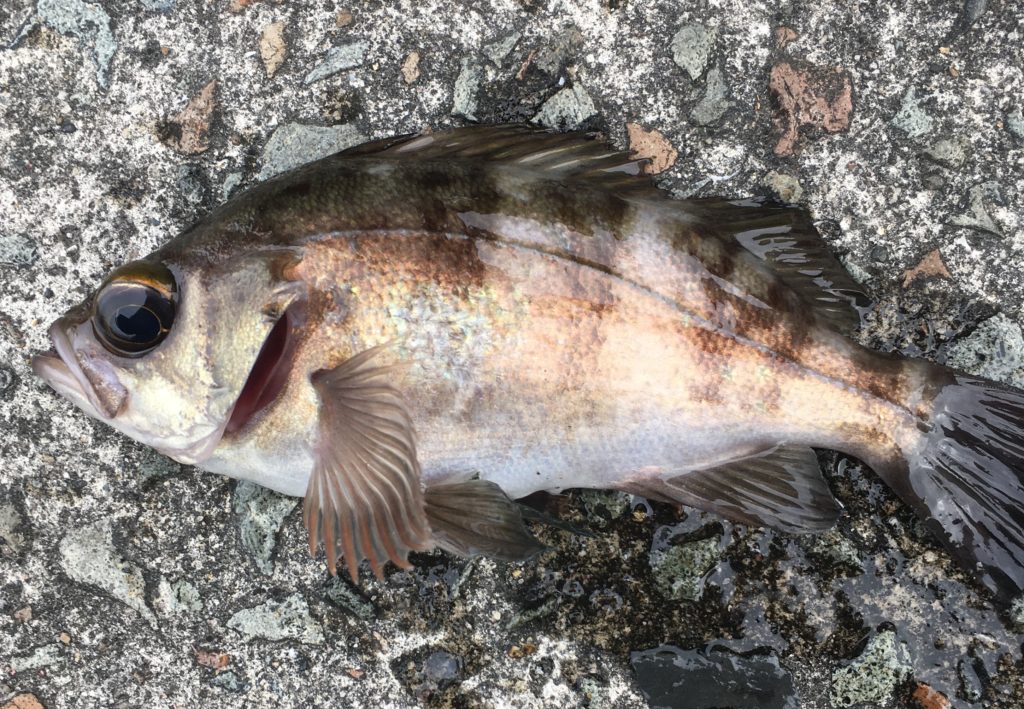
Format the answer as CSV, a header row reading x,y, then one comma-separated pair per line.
x,y
783,237
780,488
476,517
568,156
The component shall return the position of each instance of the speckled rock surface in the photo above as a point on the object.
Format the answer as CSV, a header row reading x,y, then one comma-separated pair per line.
x,y
127,580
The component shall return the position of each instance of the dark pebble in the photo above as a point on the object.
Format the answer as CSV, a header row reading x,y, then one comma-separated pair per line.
x,y
441,667
702,679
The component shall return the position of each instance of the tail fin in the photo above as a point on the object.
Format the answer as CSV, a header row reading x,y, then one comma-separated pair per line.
x,y
967,481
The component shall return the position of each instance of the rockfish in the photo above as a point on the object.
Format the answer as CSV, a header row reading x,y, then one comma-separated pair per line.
x,y
415,332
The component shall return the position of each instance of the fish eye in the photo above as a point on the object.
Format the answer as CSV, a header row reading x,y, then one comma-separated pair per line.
x,y
134,309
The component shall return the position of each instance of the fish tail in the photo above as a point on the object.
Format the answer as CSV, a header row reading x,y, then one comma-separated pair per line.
x,y
967,479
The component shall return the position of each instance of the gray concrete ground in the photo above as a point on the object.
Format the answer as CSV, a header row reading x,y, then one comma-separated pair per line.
x,y
127,580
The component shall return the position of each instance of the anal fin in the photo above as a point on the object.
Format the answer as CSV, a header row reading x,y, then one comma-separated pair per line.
x,y
781,488
475,518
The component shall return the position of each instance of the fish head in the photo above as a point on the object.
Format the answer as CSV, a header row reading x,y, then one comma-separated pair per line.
x,y
163,352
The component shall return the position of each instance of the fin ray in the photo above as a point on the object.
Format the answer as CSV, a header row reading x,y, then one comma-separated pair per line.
x,y
781,488
364,495
575,156
475,518
784,239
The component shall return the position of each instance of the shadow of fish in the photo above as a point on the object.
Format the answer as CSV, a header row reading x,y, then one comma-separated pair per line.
x,y
414,332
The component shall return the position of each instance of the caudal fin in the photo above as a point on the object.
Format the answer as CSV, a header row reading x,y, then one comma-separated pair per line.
x,y
967,482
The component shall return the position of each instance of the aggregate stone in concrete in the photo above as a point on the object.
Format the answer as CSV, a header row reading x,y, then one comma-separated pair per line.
x,y
39,658
913,117
294,144
347,56
979,204
680,570
89,22
715,101
279,620
1015,122
464,99
497,51
691,48
567,109
177,597
995,350
949,152
16,250
260,512
901,134
10,521
874,676
89,557
785,186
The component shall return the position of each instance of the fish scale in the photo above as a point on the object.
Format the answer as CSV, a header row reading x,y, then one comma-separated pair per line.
x,y
582,383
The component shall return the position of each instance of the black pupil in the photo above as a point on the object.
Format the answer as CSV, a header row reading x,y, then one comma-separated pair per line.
x,y
132,318
134,323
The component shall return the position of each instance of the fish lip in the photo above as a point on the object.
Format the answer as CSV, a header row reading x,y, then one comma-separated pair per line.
x,y
62,371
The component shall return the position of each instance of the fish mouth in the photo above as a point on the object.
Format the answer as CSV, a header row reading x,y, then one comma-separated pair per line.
x,y
61,370
269,373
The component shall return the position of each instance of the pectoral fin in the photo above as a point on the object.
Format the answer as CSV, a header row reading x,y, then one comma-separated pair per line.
x,y
364,499
780,488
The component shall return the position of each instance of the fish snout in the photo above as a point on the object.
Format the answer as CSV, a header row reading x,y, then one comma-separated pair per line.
x,y
89,382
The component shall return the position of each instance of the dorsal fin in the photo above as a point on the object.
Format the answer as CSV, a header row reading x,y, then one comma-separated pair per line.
x,y
568,156
783,237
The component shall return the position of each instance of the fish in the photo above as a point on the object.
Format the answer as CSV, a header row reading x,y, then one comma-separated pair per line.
x,y
415,333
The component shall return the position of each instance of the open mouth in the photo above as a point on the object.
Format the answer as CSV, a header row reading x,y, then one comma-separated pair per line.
x,y
269,372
